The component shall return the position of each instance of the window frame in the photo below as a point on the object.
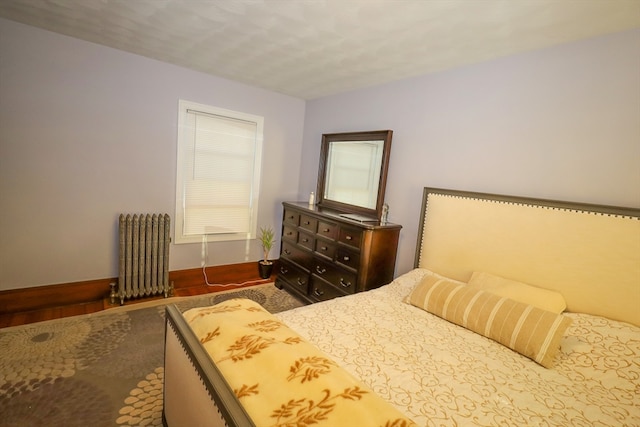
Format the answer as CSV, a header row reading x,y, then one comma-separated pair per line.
x,y
182,144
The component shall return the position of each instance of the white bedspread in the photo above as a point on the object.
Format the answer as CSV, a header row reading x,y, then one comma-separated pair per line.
x,y
440,374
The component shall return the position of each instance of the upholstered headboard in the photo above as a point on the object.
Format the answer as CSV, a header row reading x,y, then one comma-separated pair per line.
x,y
588,253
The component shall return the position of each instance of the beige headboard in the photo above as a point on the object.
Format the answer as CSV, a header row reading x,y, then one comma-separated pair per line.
x,y
588,253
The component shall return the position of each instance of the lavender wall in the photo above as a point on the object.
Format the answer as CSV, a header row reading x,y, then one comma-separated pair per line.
x,y
88,132
559,123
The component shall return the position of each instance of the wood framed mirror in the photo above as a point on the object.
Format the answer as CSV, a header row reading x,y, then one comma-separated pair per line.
x,y
352,175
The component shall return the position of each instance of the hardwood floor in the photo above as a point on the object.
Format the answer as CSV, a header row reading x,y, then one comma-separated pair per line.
x,y
29,305
32,316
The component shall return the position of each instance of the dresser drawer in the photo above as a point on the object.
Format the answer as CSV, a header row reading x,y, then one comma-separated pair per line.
x,y
306,240
308,223
327,230
325,248
321,290
350,236
338,277
291,217
290,233
348,258
296,277
296,254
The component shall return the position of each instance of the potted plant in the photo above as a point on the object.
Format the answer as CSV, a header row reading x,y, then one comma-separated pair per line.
x,y
266,239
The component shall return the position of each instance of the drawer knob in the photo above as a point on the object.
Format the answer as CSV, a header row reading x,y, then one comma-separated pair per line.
x,y
326,230
305,240
349,238
317,292
323,248
307,222
287,251
320,270
346,258
300,282
344,284
283,270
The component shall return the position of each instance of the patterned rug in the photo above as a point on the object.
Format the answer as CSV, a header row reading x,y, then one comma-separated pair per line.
x,y
101,369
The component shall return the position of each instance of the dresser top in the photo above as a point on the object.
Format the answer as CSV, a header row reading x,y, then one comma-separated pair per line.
x,y
365,222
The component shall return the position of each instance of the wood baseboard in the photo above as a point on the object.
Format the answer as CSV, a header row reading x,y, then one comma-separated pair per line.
x,y
185,282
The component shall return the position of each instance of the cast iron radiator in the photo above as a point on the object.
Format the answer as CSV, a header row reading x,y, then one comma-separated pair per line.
x,y
144,255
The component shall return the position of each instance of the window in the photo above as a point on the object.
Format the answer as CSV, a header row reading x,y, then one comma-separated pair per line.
x,y
218,173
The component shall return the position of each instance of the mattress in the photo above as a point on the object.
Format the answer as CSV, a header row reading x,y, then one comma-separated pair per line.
x,y
438,373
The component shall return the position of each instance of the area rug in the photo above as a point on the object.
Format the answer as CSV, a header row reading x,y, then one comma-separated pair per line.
x,y
100,369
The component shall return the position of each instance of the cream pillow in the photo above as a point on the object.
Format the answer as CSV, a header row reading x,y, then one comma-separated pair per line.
x,y
541,298
530,331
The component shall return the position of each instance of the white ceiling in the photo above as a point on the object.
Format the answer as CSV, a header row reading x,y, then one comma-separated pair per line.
x,y
313,48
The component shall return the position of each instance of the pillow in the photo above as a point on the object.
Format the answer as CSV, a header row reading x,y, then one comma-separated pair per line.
x,y
541,298
428,273
530,331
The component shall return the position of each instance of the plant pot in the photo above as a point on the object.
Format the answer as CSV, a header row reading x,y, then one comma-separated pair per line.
x,y
265,269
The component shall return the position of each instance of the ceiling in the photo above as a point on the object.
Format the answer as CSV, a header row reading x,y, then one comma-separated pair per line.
x,y
313,48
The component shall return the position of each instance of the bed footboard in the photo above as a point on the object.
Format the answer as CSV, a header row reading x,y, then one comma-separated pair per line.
x,y
195,393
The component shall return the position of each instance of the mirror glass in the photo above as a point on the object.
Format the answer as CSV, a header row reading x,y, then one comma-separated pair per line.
x,y
353,171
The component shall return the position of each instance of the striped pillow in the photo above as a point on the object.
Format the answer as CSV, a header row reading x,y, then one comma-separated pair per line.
x,y
531,331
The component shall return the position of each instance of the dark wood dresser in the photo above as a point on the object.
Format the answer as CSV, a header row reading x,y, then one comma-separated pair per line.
x,y
324,255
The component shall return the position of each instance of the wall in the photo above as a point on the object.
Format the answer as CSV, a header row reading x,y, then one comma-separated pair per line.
x,y
88,132
559,123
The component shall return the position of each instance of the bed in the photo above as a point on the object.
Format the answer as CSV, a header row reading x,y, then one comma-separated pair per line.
x,y
518,312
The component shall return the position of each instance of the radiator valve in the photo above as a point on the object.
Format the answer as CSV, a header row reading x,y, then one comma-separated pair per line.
x,y
112,294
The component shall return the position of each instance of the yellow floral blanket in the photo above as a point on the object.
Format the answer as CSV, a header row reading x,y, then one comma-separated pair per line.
x,y
281,379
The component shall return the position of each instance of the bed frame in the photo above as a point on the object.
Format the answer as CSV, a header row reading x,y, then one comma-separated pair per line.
x,y
589,253
195,392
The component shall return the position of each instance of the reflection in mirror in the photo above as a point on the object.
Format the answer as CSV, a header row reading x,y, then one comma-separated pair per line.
x,y
353,171
355,167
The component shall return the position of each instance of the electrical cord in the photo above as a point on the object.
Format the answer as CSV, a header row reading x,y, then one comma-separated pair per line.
x,y
224,285
205,260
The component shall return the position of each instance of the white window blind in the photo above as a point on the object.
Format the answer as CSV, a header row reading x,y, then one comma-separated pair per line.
x,y
219,156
